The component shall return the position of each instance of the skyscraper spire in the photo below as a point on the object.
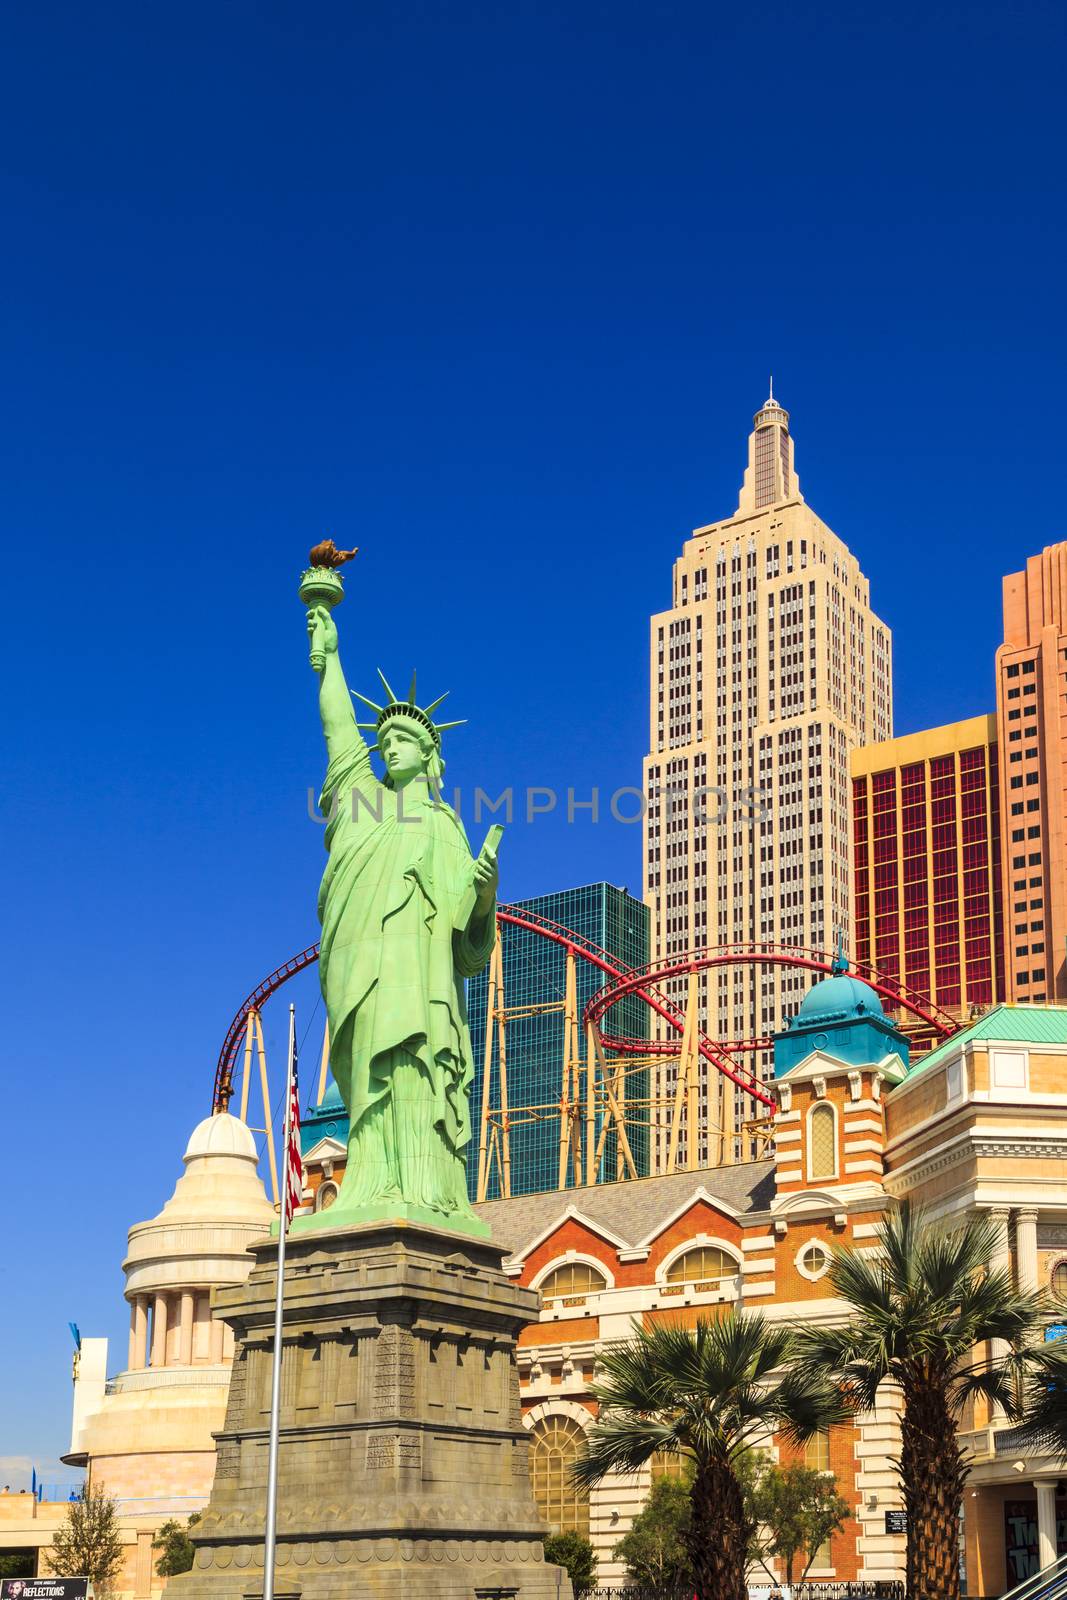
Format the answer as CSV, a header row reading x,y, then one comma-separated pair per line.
x,y
770,477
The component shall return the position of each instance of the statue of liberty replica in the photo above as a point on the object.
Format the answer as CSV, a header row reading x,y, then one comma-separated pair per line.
x,y
406,916
401,1458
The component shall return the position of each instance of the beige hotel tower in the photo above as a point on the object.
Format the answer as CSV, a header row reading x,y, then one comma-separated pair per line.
x,y
766,671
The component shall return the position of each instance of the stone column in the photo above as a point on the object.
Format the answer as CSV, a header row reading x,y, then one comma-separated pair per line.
x,y
218,1330
138,1333
1046,1522
1026,1249
999,1348
159,1331
185,1326
143,1566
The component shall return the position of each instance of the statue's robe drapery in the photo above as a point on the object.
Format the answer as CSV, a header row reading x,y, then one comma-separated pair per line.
x,y
393,959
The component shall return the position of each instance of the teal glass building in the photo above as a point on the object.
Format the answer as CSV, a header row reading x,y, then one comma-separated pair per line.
x,y
535,975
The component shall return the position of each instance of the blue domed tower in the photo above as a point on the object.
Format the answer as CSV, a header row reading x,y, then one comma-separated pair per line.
x,y
830,1065
843,1017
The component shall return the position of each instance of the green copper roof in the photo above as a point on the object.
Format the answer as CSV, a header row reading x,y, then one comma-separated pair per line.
x,y
1027,1024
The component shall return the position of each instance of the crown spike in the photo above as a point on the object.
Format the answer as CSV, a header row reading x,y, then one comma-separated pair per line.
x,y
357,696
405,708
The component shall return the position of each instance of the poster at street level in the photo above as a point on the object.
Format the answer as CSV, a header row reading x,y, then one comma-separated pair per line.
x,y
1020,1537
45,1589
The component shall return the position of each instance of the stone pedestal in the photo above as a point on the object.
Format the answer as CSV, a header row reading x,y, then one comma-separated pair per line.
x,y
403,1460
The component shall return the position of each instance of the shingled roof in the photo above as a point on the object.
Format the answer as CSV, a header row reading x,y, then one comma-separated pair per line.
x,y
631,1210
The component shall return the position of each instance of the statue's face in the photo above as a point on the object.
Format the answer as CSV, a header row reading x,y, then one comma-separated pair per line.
x,y
401,751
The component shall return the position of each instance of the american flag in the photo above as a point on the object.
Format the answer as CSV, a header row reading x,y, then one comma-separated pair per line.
x,y
294,1167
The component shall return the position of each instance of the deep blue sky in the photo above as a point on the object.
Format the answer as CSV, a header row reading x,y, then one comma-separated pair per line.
x,y
491,291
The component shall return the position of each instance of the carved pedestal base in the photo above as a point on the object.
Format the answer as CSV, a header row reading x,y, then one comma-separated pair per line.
x,y
403,1461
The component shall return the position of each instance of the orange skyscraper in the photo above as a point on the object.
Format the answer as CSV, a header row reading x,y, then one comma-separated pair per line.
x,y
1032,734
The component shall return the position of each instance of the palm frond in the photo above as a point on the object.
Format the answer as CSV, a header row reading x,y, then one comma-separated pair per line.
x,y
1044,1408
712,1391
620,1443
997,1385
808,1402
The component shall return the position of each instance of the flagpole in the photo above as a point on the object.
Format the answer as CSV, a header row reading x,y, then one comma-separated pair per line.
x,y
276,1375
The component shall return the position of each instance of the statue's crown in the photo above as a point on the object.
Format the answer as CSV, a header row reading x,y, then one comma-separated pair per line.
x,y
406,708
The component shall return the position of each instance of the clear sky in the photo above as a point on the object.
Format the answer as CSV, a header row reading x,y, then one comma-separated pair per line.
x,y
493,292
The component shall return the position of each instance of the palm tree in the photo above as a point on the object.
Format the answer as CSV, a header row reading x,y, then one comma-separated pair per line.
x,y
920,1306
709,1394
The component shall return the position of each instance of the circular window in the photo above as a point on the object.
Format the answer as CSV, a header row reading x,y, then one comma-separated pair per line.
x,y
813,1260
1059,1280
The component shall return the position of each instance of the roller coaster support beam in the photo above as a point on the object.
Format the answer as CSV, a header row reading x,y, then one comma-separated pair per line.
x,y
686,1089
246,1076
614,1093
268,1127
570,1129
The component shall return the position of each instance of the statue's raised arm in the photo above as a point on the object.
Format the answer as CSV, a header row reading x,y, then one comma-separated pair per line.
x,y
335,701
321,588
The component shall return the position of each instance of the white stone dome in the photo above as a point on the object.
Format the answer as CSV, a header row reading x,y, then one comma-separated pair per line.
x,y
221,1135
219,1207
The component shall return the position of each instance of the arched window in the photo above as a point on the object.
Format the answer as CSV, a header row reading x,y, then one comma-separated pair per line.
x,y
555,1444
1059,1280
703,1267
326,1196
822,1143
572,1282
817,1451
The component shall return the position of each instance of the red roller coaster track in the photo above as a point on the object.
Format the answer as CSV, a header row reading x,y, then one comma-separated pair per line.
x,y
641,982
780,955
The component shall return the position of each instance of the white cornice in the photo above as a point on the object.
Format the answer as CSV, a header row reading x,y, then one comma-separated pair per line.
x,y
947,1153
972,1144
326,1150
845,1196
821,1064
1036,1146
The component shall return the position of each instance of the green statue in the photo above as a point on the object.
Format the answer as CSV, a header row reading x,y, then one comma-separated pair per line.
x,y
406,915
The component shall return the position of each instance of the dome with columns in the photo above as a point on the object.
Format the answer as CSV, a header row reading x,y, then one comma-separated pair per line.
x,y
199,1239
146,1431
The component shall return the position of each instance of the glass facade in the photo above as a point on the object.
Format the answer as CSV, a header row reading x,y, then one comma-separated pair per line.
x,y
534,975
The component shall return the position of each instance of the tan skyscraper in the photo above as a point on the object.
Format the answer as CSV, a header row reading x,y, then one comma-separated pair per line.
x,y
766,671
1032,729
